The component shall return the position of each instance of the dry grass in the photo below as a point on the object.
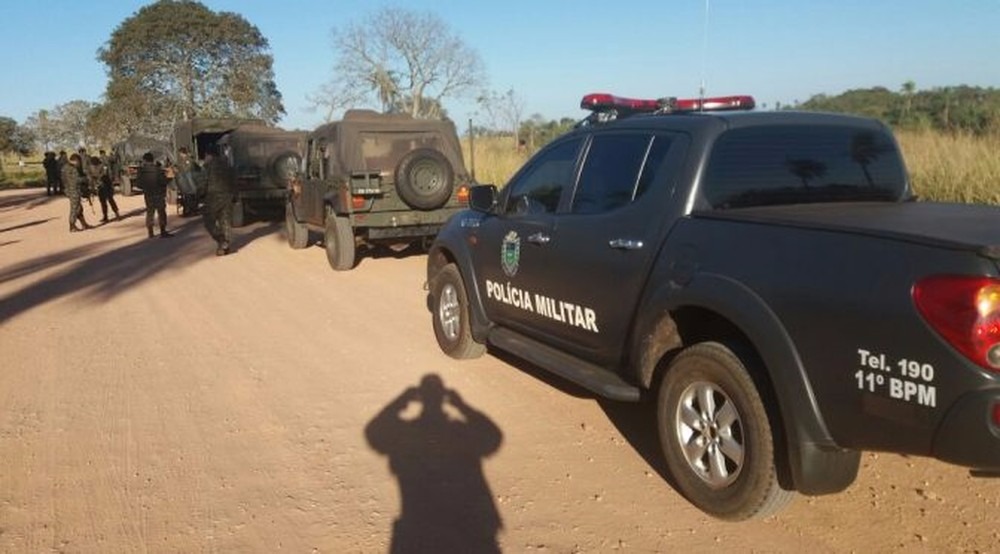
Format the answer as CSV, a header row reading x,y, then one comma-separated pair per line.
x,y
496,160
943,167
953,168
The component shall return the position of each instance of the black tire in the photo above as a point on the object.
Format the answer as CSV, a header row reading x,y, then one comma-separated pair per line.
x,y
126,185
296,233
339,242
450,307
424,179
716,435
239,214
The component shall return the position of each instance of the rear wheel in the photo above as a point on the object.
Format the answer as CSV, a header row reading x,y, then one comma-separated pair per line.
x,y
339,241
239,215
296,233
716,436
450,305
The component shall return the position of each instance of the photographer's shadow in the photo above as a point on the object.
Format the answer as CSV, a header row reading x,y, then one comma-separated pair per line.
x,y
447,505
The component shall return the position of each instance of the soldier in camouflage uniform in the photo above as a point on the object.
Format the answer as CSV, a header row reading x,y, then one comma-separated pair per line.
x,y
153,182
52,177
100,180
219,190
71,184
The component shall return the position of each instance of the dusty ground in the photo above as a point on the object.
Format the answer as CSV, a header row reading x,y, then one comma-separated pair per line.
x,y
155,398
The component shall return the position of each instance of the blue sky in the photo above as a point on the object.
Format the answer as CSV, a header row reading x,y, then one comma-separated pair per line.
x,y
552,52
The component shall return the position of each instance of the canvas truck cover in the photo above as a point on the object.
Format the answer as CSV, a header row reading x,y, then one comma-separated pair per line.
x,y
368,140
130,150
196,133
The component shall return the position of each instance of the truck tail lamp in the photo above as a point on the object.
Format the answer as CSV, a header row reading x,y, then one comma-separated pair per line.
x,y
462,195
965,311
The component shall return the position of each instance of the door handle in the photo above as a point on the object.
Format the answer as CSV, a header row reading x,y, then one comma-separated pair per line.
x,y
625,244
539,238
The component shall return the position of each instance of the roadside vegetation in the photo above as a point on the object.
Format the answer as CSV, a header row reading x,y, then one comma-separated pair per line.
x,y
943,167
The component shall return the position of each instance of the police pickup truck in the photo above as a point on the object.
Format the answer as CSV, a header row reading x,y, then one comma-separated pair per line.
x,y
768,277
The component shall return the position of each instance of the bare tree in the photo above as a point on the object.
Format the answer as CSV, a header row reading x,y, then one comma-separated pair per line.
x,y
406,61
504,111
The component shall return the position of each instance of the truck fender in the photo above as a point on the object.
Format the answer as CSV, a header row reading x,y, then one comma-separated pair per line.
x,y
447,249
338,200
816,464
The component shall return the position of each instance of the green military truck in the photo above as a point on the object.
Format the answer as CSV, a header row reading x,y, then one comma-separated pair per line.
x,y
264,159
376,179
126,157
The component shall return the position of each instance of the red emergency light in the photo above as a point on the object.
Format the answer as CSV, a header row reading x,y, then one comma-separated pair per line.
x,y
604,102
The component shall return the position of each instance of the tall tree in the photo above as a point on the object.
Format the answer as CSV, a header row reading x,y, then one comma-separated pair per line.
x,y
176,59
403,60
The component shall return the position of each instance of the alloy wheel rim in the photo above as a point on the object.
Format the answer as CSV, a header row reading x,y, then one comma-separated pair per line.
x,y
710,433
448,312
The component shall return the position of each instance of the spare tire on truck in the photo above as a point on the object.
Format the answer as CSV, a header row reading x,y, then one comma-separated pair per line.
x,y
424,179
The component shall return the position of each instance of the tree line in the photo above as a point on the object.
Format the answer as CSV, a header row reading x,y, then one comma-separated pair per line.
x,y
962,109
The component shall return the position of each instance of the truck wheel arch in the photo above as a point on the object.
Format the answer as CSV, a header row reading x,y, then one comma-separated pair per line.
x,y
816,465
439,256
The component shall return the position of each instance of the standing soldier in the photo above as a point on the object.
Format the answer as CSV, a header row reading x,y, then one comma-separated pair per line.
x,y
71,183
52,177
186,187
100,180
153,183
62,161
219,190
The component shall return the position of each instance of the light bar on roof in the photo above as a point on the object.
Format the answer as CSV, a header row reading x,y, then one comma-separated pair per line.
x,y
604,102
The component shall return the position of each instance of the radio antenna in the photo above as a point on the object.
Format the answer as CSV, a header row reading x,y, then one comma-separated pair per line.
x,y
704,49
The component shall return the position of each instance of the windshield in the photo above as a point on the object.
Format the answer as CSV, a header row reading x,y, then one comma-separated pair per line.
x,y
769,165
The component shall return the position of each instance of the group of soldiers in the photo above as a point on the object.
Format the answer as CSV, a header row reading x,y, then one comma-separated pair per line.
x,y
78,176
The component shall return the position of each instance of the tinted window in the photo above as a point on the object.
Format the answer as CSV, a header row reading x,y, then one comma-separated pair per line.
x,y
538,188
610,172
799,164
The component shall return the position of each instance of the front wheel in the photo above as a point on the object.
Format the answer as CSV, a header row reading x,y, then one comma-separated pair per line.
x,y
339,241
450,305
716,436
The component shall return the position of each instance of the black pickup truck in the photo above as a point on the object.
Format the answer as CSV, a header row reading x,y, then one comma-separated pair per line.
x,y
767,277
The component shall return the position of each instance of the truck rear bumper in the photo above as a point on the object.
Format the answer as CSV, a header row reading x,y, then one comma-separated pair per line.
x,y
970,434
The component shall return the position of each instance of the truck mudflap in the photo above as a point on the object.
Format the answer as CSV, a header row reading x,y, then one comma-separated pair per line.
x,y
969,435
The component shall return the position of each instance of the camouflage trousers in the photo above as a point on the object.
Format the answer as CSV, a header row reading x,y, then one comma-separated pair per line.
x,y
156,204
218,218
75,210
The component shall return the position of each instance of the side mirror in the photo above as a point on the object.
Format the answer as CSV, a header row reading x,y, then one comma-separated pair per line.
x,y
483,198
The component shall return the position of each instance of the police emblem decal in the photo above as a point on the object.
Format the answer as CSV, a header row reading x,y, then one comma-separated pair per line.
x,y
510,253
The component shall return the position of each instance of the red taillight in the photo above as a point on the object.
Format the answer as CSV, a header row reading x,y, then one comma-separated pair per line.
x,y
966,312
462,195
996,415
358,202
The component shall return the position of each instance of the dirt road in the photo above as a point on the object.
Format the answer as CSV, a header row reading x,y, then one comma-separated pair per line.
x,y
155,398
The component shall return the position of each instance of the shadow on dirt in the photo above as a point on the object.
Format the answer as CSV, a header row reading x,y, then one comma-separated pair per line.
x,y
636,421
29,200
101,277
28,224
436,455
